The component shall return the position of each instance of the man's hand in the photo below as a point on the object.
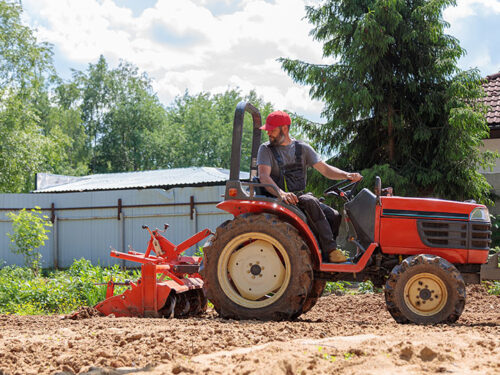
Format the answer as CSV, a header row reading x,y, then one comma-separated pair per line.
x,y
354,177
289,198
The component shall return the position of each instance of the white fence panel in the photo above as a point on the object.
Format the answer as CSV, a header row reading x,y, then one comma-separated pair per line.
x,y
87,224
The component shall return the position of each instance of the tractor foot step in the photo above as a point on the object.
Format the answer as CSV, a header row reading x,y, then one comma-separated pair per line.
x,y
346,263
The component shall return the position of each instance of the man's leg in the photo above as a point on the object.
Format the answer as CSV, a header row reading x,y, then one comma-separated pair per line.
x,y
319,224
333,217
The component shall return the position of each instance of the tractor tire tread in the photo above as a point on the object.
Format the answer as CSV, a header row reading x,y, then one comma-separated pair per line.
x,y
428,263
290,305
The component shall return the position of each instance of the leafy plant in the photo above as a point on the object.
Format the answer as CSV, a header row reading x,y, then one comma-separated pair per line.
x,y
494,288
29,233
198,252
337,287
346,287
366,287
23,292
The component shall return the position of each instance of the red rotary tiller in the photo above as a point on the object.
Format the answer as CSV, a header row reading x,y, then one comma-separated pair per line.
x,y
170,285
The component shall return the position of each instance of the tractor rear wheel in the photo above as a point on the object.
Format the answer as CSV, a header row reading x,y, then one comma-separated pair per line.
x,y
425,289
317,289
257,267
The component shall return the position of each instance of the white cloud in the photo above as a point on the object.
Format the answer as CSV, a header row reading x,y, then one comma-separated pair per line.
x,y
183,45
475,23
213,45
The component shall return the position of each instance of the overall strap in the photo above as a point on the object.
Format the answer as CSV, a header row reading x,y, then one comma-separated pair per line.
x,y
298,152
281,166
277,156
279,159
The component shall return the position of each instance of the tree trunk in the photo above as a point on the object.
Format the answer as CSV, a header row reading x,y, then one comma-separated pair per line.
x,y
390,134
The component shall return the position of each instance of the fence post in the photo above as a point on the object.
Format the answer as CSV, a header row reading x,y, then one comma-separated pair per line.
x,y
121,219
55,242
193,215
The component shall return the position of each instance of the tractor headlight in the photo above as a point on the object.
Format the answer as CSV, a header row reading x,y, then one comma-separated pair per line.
x,y
480,214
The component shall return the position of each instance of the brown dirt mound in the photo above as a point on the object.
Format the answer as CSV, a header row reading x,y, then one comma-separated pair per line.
x,y
84,312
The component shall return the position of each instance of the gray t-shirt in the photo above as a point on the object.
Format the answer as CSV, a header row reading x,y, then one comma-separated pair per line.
x,y
287,153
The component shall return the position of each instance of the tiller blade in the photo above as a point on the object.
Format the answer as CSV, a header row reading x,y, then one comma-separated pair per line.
x,y
169,286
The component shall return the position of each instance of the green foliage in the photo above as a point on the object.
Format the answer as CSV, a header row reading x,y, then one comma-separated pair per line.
x,y
494,288
25,66
366,287
394,98
119,113
199,252
337,287
203,126
29,233
345,287
23,292
101,120
495,229
127,129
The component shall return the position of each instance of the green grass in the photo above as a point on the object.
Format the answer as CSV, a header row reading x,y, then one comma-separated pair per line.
x,y
57,292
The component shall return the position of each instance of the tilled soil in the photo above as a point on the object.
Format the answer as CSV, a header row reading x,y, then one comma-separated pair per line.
x,y
340,335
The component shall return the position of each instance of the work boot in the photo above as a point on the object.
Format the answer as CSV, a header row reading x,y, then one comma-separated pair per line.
x,y
336,256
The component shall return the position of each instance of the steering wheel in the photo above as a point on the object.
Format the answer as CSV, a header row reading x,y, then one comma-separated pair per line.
x,y
341,189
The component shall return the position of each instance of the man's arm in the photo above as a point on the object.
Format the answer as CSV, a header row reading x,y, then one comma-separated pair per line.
x,y
334,173
265,178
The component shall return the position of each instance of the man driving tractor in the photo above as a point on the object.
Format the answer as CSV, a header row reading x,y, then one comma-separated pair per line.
x,y
283,162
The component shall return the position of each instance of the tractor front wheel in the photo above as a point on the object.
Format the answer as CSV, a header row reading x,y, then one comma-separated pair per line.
x,y
425,289
257,267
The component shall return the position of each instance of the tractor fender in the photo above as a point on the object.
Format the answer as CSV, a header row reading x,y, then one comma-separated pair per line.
x,y
238,207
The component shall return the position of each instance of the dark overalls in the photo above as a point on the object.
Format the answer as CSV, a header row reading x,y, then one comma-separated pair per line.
x,y
323,220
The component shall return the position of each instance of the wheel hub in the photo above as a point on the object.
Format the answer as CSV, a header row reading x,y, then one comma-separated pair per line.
x,y
425,294
256,270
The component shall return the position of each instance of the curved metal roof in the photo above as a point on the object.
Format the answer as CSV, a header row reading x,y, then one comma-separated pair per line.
x,y
165,178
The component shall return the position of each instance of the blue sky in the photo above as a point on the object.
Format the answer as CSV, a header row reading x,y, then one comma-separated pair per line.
x,y
213,45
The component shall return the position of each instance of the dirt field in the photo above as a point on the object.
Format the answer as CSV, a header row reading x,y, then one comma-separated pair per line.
x,y
341,335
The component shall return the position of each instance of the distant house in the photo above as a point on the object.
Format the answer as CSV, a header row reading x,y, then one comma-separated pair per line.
x,y
492,99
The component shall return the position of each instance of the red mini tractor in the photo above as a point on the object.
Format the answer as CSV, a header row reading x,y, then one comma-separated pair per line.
x,y
266,263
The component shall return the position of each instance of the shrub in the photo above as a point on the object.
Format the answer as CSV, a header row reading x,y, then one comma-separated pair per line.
x,y
30,232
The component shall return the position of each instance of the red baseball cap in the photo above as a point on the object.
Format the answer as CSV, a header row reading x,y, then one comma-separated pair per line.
x,y
275,120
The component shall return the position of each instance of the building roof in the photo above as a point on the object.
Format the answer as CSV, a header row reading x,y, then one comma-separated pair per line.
x,y
162,178
492,99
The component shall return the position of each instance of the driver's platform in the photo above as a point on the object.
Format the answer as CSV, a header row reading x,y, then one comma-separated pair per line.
x,y
349,266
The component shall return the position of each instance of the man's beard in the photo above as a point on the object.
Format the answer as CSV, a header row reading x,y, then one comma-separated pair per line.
x,y
278,140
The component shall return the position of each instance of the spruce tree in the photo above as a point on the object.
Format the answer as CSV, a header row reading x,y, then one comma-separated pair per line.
x,y
395,102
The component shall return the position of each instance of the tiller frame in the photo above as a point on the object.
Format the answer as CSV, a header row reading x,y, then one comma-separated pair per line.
x,y
152,296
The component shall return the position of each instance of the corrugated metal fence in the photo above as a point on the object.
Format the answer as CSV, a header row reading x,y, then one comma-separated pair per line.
x,y
87,224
